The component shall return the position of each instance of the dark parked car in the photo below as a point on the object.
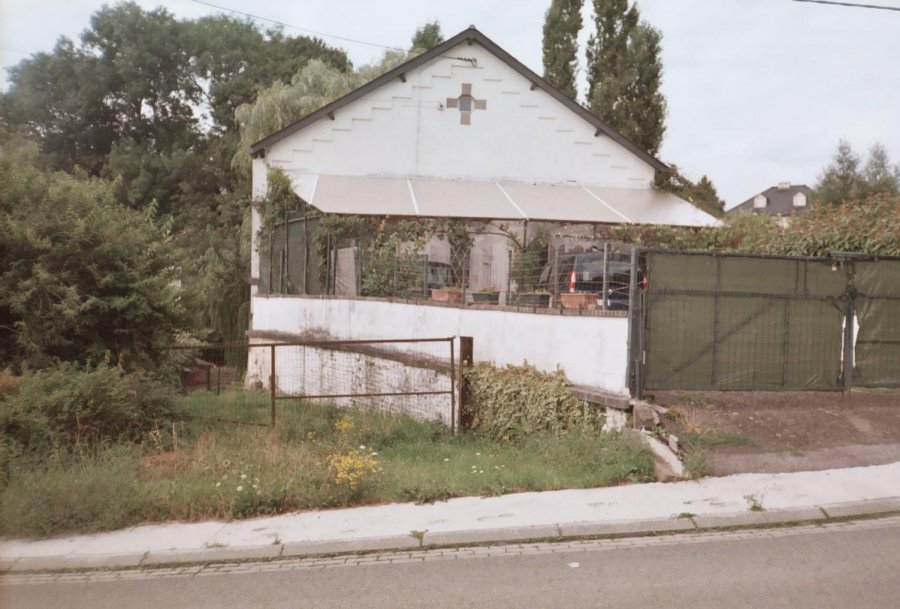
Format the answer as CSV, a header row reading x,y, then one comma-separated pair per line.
x,y
584,273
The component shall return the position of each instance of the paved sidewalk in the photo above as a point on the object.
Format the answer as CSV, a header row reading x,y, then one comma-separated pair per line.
x,y
741,500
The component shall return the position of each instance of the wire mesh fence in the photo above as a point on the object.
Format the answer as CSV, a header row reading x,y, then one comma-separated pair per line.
x,y
252,383
490,268
732,322
214,384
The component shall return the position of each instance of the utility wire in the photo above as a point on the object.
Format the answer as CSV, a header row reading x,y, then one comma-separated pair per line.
x,y
854,5
297,27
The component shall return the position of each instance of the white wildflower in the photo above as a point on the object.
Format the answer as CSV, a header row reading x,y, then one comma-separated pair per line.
x,y
240,488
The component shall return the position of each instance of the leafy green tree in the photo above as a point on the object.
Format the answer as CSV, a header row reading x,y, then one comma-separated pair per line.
x,y
237,59
81,277
625,74
56,99
842,180
562,22
878,174
427,36
702,193
148,102
846,179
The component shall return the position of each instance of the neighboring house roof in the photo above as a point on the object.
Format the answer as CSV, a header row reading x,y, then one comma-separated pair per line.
x,y
470,34
779,201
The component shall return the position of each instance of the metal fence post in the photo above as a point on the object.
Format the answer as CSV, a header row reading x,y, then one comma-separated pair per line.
x,y
328,265
509,263
635,348
848,327
555,274
465,362
272,381
305,255
395,262
605,276
453,385
359,267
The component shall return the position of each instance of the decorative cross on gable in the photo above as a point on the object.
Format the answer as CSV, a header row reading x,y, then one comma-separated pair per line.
x,y
466,104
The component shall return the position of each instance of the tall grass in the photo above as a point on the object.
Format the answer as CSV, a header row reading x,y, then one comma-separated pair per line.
x,y
199,468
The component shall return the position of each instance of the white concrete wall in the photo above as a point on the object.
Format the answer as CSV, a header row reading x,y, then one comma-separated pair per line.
x,y
590,350
313,371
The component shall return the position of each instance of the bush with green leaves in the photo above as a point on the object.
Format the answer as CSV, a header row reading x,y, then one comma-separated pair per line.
x,y
82,278
69,405
515,401
868,226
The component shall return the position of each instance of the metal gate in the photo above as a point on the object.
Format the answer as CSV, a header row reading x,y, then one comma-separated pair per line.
x,y
738,322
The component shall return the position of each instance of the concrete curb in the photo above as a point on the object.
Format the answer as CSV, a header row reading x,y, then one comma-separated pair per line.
x,y
680,524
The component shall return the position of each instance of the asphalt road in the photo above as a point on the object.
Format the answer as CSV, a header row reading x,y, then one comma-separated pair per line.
x,y
839,565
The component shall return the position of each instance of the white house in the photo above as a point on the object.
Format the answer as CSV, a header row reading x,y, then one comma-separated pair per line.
x,y
466,131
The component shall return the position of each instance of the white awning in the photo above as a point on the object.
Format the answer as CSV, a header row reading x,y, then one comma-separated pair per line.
x,y
496,200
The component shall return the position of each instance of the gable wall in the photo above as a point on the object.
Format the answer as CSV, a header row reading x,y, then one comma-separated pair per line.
x,y
406,129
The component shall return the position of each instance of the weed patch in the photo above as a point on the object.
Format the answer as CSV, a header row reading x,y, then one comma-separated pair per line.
x,y
713,438
201,469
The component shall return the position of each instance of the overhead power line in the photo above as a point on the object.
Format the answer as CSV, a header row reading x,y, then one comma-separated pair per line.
x,y
297,27
854,5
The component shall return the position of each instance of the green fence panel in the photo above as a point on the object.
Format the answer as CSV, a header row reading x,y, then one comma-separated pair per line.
x,y
814,356
733,322
877,349
681,271
758,275
679,334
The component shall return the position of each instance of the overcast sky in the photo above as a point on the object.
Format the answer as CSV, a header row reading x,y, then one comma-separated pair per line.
x,y
759,91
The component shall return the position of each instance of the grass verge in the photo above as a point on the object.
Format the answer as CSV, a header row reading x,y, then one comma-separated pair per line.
x,y
317,457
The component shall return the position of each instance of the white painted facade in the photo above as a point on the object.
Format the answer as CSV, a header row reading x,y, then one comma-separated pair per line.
x,y
405,129
590,350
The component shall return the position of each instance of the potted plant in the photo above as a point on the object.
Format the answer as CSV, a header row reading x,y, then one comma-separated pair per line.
x,y
536,299
418,293
578,300
486,296
447,294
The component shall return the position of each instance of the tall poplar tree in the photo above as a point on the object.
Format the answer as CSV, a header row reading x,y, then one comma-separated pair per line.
x,y
562,23
624,71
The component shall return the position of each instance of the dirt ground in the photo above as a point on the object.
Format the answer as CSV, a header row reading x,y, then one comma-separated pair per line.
x,y
742,432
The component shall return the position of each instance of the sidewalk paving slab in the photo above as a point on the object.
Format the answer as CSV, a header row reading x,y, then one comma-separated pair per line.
x,y
637,509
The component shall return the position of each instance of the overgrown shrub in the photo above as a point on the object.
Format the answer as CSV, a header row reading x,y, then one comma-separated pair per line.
x,y
507,403
868,226
69,405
